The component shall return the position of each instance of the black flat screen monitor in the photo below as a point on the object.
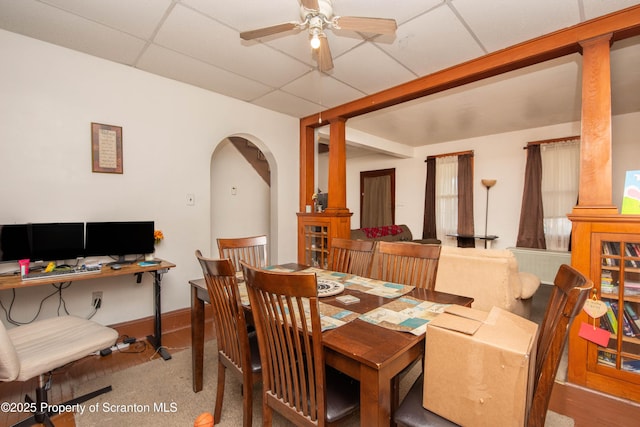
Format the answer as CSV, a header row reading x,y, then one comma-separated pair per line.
x,y
56,241
14,242
119,238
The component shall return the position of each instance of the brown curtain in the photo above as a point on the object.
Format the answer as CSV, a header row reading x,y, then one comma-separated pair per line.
x,y
465,199
531,230
429,220
377,203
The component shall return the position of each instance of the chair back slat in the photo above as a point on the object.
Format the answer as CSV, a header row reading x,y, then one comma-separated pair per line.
x,y
571,289
252,250
411,264
351,256
286,313
228,315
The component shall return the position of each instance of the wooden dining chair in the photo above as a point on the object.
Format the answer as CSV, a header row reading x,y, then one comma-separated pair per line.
x,y
413,264
237,348
295,381
252,250
570,291
351,256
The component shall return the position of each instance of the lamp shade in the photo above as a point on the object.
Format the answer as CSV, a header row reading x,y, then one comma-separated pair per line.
x,y
489,182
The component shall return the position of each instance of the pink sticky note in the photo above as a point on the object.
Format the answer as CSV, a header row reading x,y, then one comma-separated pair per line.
x,y
594,334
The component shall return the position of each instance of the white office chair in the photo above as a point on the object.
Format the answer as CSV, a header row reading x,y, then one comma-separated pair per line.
x,y
36,349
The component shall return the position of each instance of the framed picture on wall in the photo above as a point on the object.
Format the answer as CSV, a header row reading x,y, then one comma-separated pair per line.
x,y
106,148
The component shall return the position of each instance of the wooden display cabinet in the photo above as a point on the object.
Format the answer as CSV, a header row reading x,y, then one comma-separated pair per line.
x,y
315,231
615,271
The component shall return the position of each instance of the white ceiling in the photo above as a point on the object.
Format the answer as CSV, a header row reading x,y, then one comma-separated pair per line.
x,y
197,42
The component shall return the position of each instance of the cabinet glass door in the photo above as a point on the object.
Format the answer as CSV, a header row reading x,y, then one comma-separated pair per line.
x,y
620,291
316,238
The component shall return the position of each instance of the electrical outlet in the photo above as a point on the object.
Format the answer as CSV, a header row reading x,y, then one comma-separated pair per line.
x,y
96,299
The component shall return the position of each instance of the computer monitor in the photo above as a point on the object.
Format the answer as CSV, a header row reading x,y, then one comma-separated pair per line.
x,y
56,241
14,242
119,238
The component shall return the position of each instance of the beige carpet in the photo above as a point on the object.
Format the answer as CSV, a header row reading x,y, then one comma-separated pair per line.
x,y
159,393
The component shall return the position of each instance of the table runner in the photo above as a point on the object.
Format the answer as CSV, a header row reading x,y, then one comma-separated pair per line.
x,y
403,313
330,316
356,283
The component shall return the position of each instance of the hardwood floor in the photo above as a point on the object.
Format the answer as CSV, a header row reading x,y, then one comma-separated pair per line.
x,y
588,409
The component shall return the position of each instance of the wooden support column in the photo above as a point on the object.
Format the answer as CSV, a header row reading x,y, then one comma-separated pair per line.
x,y
595,152
337,202
307,162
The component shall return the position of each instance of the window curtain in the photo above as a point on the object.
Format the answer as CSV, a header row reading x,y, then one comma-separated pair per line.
x,y
465,199
446,197
429,222
531,229
560,180
377,204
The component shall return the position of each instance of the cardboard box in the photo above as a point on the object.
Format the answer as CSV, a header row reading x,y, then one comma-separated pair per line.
x,y
478,365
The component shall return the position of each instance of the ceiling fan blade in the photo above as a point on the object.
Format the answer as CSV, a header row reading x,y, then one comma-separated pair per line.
x,y
267,31
325,61
366,25
310,4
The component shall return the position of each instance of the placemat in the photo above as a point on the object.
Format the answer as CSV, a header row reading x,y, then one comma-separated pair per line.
x,y
406,314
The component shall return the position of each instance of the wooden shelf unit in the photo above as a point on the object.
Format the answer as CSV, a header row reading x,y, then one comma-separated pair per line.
x,y
614,265
315,231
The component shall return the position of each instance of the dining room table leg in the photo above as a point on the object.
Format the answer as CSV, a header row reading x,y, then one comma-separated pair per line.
x,y
197,339
375,397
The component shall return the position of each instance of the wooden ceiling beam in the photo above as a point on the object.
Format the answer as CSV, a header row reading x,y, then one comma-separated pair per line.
x,y
621,24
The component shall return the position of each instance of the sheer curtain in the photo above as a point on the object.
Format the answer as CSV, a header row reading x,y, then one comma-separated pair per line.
x,y
447,198
560,177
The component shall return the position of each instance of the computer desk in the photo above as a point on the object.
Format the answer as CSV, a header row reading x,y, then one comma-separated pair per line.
x,y
16,282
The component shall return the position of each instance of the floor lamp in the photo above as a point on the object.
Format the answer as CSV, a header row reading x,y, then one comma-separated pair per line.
x,y
488,183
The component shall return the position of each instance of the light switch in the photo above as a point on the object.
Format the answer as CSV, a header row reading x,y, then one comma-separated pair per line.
x,y
191,199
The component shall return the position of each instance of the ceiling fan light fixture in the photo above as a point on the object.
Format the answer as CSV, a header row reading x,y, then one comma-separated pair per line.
x,y
315,39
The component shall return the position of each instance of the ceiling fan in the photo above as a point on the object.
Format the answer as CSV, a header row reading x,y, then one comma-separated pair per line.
x,y
316,16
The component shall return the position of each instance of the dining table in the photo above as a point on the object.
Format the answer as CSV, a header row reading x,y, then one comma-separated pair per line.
x,y
373,339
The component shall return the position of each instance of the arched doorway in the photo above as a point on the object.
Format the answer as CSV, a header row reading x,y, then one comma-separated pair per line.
x,y
242,201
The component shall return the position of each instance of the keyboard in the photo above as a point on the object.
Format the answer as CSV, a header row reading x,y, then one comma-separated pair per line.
x,y
62,273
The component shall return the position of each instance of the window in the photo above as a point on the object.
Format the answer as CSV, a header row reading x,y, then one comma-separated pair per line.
x,y
446,196
550,192
560,178
449,198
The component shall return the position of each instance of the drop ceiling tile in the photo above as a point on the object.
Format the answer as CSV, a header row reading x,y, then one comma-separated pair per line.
x,y
595,8
319,88
513,22
216,44
139,18
369,69
173,65
288,104
400,10
44,22
419,45
251,15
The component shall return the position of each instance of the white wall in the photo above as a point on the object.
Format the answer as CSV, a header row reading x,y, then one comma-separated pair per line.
x,y
499,157
50,96
244,211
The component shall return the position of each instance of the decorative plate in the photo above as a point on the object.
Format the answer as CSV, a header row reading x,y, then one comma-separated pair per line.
x,y
327,288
